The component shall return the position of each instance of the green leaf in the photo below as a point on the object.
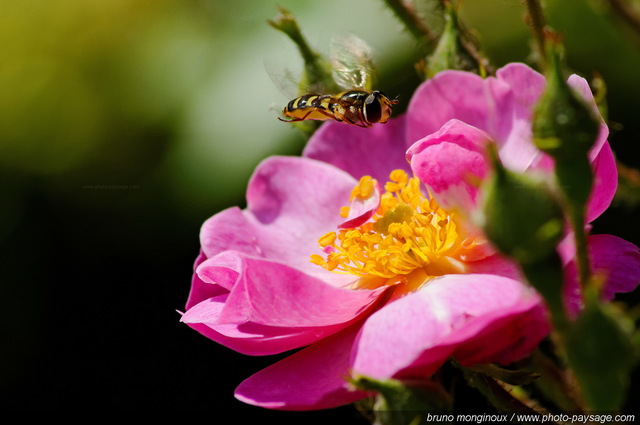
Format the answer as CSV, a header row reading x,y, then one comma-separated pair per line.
x,y
406,403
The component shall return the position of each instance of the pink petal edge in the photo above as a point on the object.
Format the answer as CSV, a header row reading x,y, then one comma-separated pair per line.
x,y
414,335
270,307
313,378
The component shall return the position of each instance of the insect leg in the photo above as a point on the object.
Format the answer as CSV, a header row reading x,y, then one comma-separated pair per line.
x,y
329,114
358,122
296,119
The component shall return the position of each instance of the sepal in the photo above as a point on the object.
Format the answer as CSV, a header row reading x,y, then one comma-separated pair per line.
x,y
405,402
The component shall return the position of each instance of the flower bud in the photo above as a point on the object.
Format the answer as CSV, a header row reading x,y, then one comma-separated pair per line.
x,y
564,126
520,216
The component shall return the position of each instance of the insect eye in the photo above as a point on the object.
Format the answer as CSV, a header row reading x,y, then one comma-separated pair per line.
x,y
372,108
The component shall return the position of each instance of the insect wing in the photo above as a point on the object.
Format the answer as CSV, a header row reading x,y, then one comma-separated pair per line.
x,y
286,81
352,63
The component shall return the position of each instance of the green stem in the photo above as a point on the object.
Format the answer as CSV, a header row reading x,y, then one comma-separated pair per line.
x,y
316,72
286,23
496,393
582,255
575,179
407,14
537,22
627,13
556,383
547,277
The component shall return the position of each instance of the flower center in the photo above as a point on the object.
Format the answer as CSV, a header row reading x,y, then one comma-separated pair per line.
x,y
408,240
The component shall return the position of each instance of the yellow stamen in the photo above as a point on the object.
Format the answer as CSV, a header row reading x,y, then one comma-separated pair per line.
x,y
364,188
409,240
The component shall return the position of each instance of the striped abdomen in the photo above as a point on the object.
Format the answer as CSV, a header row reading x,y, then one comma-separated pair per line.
x,y
310,107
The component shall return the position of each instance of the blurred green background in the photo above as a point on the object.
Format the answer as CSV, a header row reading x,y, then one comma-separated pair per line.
x,y
124,124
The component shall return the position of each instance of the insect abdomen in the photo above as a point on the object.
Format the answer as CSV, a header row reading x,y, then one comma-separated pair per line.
x,y
309,106
308,101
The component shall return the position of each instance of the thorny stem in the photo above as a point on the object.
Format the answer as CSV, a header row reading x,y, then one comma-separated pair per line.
x,y
546,276
626,13
286,23
498,393
483,63
576,218
537,23
468,43
407,14
575,192
316,74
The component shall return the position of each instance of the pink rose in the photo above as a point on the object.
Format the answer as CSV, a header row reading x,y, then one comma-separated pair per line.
x,y
400,282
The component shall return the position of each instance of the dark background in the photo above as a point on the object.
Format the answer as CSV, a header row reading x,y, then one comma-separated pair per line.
x,y
108,168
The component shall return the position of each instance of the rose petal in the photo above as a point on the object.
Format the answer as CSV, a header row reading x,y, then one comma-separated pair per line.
x,y
271,308
527,85
513,335
480,103
374,151
274,294
581,86
612,258
394,339
229,230
605,183
250,338
291,203
618,260
517,150
201,290
313,378
451,162
498,265
414,335
221,270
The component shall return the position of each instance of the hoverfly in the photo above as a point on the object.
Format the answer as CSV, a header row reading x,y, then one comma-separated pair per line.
x,y
352,70
358,107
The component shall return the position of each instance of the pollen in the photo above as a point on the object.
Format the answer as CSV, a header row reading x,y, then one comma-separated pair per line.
x,y
364,188
409,240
